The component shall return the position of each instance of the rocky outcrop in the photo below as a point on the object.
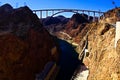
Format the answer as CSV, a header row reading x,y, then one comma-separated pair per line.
x,y
75,24
103,58
75,20
55,24
73,28
111,16
5,9
25,46
54,20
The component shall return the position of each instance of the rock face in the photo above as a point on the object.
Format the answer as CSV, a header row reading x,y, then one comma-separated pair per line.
x,y
112,16
73,27
103,60
25,46
55,24
5,9
75,20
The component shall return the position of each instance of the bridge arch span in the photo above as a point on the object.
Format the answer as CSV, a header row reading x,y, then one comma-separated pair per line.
x,y
57,11
63,12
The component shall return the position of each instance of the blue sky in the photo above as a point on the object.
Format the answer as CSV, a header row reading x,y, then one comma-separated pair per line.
x,y
102,5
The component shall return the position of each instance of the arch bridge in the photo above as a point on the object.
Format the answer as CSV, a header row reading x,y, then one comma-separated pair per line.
x,y
57,11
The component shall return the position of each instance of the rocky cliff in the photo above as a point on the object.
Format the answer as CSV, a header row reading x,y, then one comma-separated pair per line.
x,y
55,24
25,46
103,59
75,24
73,28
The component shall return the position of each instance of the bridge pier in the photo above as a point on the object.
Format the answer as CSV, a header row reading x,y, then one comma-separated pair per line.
x,y
52,12
40,14
88,15
57,11
99,16
83,12
93,16
46,13
77,11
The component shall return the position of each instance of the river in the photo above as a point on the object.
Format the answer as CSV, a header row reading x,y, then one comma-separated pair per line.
x,y
68,60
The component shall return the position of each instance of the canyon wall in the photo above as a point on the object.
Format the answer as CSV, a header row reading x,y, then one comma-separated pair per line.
x,y
103,60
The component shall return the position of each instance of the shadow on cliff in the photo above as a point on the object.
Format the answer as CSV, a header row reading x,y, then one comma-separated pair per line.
x,y
68,60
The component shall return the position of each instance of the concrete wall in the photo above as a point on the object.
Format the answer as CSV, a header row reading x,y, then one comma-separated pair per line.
x,y
117,35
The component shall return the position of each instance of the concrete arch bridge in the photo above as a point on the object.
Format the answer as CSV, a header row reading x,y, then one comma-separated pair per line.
x,y
54,12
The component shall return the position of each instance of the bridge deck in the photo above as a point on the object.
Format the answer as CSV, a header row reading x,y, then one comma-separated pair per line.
x,y
57,11
69,10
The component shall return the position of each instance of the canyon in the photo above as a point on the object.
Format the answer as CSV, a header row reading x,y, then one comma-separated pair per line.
x,y
52,48
102,61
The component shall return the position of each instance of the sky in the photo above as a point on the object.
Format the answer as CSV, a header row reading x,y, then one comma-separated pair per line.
x,y
102,5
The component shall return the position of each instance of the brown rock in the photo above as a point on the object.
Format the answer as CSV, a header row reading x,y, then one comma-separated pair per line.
x,y
73,26
25,47
111,16
103,61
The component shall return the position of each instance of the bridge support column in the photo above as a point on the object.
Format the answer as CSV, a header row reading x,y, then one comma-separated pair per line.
x,y
46,13
103,16
52,12
40,14
99,16
82,12
93,16
35,12
88,15
77,11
